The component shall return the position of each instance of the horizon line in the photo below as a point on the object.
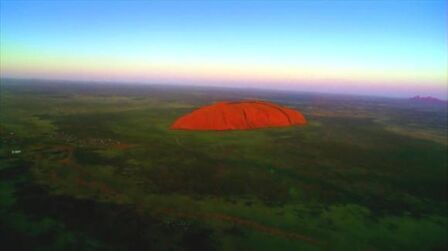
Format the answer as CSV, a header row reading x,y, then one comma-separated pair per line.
x,y
174,84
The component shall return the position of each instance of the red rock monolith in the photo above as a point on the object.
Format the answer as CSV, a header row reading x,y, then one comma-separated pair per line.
x,y
242,115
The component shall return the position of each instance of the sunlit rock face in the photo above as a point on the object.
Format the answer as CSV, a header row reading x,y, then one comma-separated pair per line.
x,y
244,115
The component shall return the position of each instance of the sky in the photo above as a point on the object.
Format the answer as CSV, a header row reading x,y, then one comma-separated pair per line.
x,y
378,47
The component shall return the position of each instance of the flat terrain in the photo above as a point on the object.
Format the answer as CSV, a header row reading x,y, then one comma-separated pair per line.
x,y
95,167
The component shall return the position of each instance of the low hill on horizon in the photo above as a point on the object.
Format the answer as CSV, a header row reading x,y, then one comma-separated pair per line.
x,y
428,99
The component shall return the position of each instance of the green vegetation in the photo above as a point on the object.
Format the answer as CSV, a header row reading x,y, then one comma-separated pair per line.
x,y
99,169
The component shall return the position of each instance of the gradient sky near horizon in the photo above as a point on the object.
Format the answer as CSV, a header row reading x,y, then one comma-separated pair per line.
x,y
387,48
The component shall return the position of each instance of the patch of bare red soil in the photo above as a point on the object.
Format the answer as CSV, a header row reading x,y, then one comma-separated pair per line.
x,y
242,115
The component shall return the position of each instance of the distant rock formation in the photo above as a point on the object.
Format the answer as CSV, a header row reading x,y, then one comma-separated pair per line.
x,y
242,115
428,100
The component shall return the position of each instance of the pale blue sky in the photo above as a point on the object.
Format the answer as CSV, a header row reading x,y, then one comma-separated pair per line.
x,y
343,40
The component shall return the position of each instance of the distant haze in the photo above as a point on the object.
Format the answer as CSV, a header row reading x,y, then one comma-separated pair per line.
x,y
385,48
